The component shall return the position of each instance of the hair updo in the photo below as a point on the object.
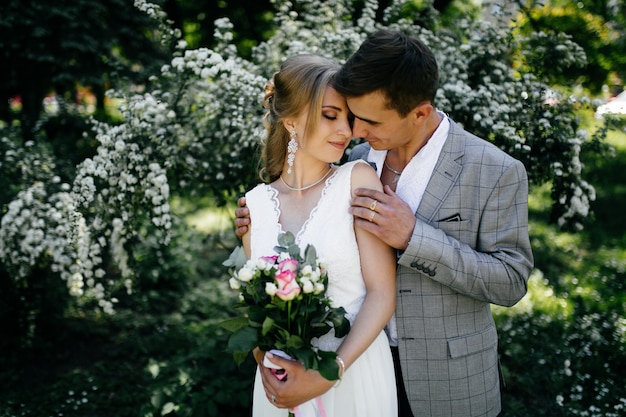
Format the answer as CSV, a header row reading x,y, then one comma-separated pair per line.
x,y
298,86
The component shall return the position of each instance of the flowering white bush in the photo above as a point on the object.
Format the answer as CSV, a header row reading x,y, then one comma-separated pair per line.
x,y
196,129
42,227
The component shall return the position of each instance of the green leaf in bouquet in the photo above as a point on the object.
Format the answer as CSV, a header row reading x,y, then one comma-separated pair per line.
x,y
310,256
327,365
278,303
237,258
307,356
268,323
340,322
233,325
294,342
239,357
294,251
242,342
285,240
283,334
309,304
287,243
256,315
320,329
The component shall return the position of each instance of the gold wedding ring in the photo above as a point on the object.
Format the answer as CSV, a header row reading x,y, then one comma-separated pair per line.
x,y
373,205
372,216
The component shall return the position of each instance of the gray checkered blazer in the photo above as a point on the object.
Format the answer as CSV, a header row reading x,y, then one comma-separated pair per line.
x,y
470,248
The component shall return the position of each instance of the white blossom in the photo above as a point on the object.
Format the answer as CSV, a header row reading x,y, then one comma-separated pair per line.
x,y
234,283
245,274
271,289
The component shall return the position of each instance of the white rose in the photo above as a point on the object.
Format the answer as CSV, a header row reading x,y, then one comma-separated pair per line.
x,y
234,283
307,286
271,289
245,274
319,288
307,270
262,264
315,275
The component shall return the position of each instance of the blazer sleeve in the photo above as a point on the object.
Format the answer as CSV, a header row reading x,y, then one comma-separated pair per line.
x,y
484,252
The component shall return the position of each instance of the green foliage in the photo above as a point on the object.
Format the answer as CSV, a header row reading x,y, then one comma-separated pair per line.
x,y
252,21
568,334
598,28
133,363
56,47
163,273
199,379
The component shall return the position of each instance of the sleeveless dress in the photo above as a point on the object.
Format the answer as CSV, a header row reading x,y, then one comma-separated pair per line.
x,y
368,387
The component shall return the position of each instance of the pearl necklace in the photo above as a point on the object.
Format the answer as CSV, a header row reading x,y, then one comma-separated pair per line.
x,y
394,171
306,187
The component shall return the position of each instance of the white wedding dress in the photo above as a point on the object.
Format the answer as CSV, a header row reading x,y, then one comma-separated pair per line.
x,y
367,388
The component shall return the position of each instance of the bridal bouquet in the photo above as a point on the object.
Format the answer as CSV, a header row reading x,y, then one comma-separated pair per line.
x,y
285,307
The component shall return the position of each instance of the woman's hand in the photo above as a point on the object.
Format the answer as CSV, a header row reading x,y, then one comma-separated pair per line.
x,y
300,386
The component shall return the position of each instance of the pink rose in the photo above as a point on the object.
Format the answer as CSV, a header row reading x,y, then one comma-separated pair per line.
x,y
265,263
288,265
270,259
288,287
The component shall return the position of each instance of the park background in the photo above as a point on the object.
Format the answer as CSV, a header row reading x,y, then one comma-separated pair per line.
x,y
127,131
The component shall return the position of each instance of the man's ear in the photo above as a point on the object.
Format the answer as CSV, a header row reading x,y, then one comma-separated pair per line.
x,y
422,111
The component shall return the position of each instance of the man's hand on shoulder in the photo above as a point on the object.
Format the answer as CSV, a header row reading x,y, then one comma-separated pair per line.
x,y
385,215
242,218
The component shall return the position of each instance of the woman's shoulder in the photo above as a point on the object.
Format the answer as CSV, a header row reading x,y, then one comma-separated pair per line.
x,y
259,190
362,175
256,188
358,164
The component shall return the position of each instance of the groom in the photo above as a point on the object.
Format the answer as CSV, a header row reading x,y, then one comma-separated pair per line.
x,y
456,209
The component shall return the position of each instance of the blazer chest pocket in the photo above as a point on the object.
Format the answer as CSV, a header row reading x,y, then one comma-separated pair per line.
x,y
456,229
473,343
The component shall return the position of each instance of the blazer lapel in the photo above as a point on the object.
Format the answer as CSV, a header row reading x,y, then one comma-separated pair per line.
x,y
444,176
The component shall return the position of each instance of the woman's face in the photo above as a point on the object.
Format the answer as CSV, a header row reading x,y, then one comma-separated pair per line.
x,y
332,135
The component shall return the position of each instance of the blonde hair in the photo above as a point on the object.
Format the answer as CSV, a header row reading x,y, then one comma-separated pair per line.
x,y
300,83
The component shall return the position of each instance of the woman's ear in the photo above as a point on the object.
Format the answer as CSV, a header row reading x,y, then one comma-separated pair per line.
x,y
289,124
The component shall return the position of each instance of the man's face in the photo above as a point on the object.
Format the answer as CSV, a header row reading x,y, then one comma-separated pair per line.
x,y
383,128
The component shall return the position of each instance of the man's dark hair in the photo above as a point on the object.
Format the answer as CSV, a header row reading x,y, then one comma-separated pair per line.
x,y
398,65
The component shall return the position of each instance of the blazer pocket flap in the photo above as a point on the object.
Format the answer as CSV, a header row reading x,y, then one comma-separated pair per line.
x,y
474,343
457,230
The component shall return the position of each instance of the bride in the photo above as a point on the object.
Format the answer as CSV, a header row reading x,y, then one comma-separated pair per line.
x,y
308,128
